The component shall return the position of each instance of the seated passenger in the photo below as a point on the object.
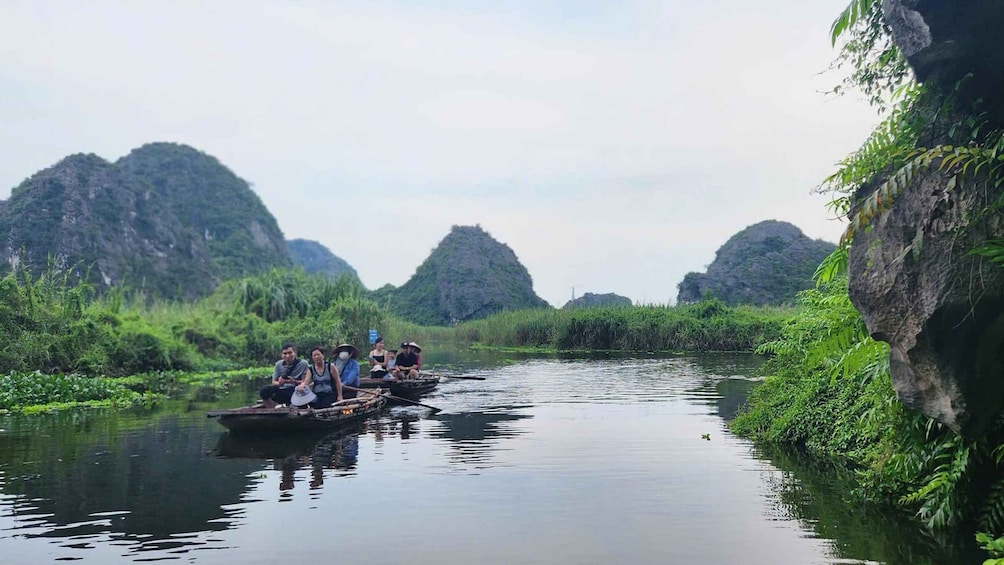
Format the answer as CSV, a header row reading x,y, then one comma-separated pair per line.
x,y
288,374
391,363
406,363
418,354
323,377
378,359
348,368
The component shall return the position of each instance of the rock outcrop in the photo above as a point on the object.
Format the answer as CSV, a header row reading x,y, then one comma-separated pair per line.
x,y
590,300
166,219
912,274
766,263
315,258
469,275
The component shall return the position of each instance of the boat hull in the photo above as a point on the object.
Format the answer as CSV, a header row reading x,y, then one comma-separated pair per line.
x,y
280,420
410,388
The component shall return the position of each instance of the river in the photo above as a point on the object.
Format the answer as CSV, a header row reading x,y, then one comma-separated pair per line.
x,y
547,460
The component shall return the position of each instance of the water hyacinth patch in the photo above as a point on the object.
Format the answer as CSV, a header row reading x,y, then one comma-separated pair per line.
x,y
20,390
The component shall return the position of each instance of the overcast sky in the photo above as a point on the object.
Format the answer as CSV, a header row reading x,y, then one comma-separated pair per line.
x,y
614,146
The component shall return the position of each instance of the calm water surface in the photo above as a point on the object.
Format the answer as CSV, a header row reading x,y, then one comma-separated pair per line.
x,y
561,461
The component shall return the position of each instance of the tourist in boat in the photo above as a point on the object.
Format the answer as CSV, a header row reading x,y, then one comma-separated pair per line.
x,y
323,378
289,373
378,359
406,363
418,355
347,367
391,363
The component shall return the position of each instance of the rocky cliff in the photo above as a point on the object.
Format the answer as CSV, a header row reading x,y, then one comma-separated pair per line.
x,y
166,219
913,275
766,263
469,275
316,258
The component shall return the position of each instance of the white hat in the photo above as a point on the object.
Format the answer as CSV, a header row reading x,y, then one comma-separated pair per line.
x,y
302,398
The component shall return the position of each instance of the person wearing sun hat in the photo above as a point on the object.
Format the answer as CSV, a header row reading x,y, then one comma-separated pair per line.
x,y
418,355
407,360
348,368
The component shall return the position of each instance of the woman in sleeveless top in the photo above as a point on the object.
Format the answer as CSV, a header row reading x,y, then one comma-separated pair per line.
x,y
378,359
323,378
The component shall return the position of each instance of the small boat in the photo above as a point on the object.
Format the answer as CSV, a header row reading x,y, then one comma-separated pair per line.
x,y
260,419
408,388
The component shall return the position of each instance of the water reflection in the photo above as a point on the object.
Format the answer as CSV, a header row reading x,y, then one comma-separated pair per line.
x,y
818,494
598,443
472,436
84,477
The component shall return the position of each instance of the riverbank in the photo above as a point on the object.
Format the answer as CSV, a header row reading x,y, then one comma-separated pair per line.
x,y
827,391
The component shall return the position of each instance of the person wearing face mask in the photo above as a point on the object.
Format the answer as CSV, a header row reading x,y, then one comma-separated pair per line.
x,y
348,368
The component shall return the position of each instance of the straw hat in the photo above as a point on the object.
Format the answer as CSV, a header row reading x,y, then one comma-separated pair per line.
x,y
302,398
353,352
414,346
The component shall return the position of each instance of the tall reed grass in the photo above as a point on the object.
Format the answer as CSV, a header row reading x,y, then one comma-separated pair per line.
x,y
705,326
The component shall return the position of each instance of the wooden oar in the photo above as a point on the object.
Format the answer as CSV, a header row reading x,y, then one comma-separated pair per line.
x,y
457,377
398,398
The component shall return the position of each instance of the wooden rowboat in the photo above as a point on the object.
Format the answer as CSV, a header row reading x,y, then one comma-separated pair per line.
x,y
408,388
251,419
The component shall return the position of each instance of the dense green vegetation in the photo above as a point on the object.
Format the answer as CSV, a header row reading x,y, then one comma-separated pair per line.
x,y
829,392
57,325
766,263
706,326
828,388
39,391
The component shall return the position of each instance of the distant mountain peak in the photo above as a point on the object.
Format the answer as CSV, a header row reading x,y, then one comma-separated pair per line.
x,y
766,263
590,300
469,275
166,218
314,257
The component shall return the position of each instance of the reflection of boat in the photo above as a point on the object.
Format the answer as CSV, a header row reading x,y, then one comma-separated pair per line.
x,y
409,388
238,446
258,419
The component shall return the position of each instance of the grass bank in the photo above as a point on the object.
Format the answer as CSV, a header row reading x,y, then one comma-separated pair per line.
x,y
702,327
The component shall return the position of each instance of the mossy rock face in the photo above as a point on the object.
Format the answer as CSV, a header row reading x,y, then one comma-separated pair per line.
x,y
469,275
912,274
166,219
766,263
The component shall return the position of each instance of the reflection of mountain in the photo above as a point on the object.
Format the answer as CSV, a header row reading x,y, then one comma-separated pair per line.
x,y
816,494
473,434
154,476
